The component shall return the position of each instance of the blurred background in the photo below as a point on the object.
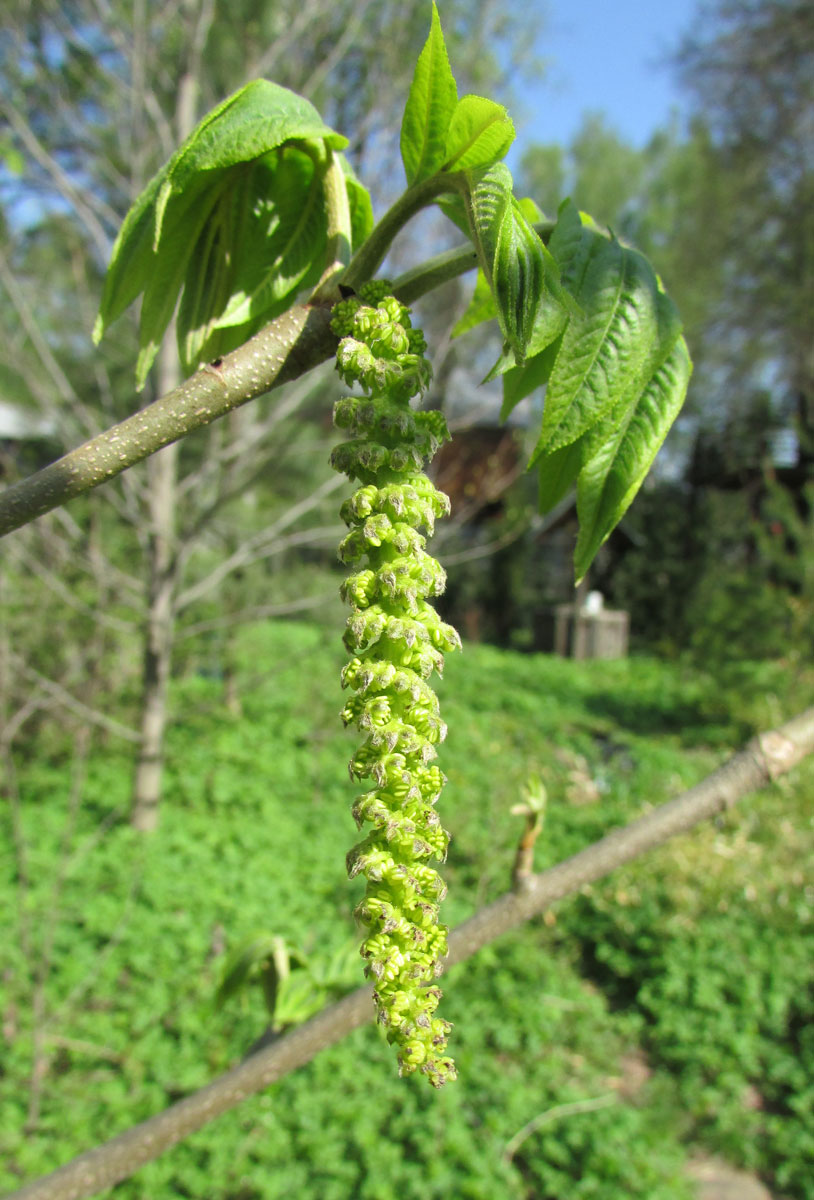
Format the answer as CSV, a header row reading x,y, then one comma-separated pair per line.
x,y
170,644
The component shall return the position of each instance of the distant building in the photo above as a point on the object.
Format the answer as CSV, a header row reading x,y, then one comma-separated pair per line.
x,y
27,440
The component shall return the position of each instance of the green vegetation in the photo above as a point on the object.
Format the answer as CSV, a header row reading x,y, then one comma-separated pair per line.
x,y
667,1009
700,954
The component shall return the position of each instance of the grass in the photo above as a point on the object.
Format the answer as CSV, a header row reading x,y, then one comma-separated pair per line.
x,y
254,825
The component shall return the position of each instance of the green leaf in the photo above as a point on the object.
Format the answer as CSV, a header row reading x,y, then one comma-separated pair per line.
x,y
131,260
156,242
606,347
612,476
570,243
519,382
480,308
430,105
558,472
510,254
256,119
163,284
531,210
454,208
615,379
242,964
361,209
479,135
284,238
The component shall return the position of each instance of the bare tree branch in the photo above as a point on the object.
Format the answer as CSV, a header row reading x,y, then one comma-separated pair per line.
x,y
263,543
62,696
767,757
261,612
82,203
67,596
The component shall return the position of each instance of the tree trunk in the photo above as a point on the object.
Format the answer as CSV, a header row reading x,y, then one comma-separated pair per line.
x,y
162,477
158,642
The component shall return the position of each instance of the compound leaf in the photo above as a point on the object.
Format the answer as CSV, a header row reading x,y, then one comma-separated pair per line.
x,y
153,251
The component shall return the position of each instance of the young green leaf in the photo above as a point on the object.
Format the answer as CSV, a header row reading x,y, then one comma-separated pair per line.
x,y
606,347
155,246
558,472
282,237
480,308
430,105
479,135
361,209
131,260
570,243
243,964
510,254
256,119
163,284
550,318
519,382
611,477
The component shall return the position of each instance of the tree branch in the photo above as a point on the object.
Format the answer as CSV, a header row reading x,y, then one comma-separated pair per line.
x,y
765,758
261,612
285,349
259,544
297,341
83,203
62,696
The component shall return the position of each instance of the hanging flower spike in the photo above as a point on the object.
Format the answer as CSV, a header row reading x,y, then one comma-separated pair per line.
x,y
396,640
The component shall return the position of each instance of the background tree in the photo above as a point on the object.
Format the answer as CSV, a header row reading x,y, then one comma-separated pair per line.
x,y
96,97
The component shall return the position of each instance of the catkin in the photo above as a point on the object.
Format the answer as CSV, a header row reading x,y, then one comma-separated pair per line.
x,y
396,640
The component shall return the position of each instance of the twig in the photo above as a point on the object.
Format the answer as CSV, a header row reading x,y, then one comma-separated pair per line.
x,y
533,809
83,203
555,1114
69,701
765,758
82,1047
261,543
261,612
285,349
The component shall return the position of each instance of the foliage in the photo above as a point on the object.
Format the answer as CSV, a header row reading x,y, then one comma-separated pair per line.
x,y
256,807
582,312
732,1029
586,315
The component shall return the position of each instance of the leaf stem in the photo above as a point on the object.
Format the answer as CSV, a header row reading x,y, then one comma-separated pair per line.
x,y
369,256
337,249
431,274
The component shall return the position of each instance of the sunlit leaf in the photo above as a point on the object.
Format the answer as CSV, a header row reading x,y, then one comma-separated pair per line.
x,y
479,135
611,477
430,105
158,238
481,307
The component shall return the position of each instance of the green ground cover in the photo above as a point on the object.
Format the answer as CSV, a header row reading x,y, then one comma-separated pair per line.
x,y
699,956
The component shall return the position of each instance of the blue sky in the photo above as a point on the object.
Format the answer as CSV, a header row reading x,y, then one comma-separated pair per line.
x,y
605,55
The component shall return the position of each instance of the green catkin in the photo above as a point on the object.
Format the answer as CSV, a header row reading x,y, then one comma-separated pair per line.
x,y
396,640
